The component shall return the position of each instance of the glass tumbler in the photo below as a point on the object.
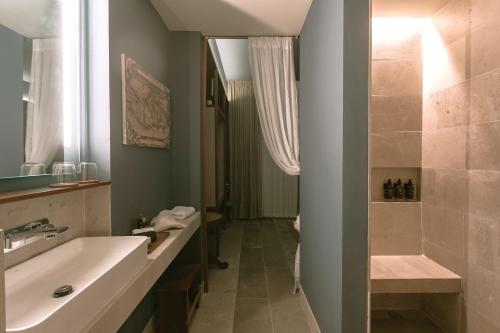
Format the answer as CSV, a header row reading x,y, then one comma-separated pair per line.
x,y
87,172
32,169
64,174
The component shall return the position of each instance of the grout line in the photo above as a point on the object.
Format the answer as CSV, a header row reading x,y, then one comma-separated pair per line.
x,y
238,275
266,281
269,301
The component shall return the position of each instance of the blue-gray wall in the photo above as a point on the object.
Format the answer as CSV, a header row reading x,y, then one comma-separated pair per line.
x,y
11,102
140,175
356,100
184,83
334,95
147,180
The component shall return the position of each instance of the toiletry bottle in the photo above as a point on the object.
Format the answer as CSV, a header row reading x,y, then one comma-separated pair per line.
x,y
388,190
398,190
409,191
141,221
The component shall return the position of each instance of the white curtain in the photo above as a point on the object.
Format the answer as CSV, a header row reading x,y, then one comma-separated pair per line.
x,y
44,122
273,74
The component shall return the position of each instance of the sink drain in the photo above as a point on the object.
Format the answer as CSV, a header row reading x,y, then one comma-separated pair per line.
x,y
63,291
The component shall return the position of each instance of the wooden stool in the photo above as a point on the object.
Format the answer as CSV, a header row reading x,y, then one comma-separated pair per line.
x,y
214,220
178,297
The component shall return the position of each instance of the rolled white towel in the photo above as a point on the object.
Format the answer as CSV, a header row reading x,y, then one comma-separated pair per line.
x,y
166,221
181,212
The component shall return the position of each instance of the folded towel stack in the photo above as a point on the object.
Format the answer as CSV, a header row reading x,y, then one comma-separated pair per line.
x,y
181,212
172,219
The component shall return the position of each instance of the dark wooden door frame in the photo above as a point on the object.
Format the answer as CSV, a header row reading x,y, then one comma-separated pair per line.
x,y
203,97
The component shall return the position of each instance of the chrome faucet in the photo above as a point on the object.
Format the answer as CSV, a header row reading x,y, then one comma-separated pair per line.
x,y
41,228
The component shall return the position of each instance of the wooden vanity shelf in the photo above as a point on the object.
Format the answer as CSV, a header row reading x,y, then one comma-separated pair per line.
x,y
411,274
12,196
160,238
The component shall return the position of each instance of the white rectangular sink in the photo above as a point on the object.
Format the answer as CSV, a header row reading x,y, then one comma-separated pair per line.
x,y
96,267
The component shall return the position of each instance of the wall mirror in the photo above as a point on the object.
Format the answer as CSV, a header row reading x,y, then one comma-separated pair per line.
x,y
41,85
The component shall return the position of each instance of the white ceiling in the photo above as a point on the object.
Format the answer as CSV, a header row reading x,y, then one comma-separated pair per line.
x,y
31,18
407,8
234,58
235,17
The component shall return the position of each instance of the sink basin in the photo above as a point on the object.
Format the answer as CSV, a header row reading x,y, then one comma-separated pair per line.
x,y
97,268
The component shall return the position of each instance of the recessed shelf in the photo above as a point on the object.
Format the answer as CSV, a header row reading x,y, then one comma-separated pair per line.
x,y
380,175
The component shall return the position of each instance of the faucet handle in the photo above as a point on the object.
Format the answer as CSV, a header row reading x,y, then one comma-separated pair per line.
x,y
32,226
37,224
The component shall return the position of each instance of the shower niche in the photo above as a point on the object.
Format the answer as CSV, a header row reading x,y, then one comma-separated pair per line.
x,y
380,177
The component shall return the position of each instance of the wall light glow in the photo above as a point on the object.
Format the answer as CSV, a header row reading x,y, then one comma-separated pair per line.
x,y
394,30
71,71
443,65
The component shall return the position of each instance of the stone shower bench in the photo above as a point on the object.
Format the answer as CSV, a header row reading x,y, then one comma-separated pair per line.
x,y
410,274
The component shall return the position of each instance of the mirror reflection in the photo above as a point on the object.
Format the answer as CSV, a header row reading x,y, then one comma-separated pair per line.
x,y
39,66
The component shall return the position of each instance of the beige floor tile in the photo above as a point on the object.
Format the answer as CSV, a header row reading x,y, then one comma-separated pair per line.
x,y
274,256
288,316
254,295
252,283
252,315
280,282
223,280
251,257
216,313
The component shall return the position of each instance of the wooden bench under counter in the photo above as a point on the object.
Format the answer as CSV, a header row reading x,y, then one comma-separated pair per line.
x,y
178,296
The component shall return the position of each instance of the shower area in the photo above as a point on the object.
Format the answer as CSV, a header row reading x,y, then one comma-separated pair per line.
x,y
435,120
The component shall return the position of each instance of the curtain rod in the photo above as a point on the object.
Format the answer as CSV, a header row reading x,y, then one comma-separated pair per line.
x,y
243,37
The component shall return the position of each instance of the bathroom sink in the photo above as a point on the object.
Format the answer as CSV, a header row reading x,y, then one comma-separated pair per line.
x,y
95,268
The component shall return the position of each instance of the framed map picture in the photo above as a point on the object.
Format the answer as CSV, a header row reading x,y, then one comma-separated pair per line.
x,y
145,107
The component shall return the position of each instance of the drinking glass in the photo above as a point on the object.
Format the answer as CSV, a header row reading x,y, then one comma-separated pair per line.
x,y
32,169
63,174
87,172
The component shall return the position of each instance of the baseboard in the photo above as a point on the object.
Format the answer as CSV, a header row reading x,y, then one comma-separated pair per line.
x,y
313,324
150,326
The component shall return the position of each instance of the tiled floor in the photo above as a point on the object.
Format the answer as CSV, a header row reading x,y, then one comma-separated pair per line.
x,y
255,293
